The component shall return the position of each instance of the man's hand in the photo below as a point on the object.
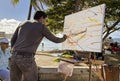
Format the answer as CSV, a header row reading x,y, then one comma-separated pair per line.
x,y
65,36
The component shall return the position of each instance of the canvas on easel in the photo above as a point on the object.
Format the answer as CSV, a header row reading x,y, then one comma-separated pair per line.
x,y
84,29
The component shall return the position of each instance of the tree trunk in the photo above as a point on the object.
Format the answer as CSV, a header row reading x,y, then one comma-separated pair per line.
x,y
106,35
30,10
110,28
77,2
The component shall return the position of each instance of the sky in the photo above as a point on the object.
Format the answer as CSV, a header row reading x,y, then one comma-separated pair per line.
x,y
18,12
11,16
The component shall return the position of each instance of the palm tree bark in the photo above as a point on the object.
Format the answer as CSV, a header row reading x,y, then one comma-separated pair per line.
x,y
79,5
30,10
77,2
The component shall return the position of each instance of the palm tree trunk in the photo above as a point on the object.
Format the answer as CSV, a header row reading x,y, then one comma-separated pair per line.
x,y
77,2
41,5
30,10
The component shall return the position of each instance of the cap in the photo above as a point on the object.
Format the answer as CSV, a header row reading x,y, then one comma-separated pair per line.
x,y
4,40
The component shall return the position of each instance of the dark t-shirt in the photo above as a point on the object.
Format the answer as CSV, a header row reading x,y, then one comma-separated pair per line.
x,y
28,36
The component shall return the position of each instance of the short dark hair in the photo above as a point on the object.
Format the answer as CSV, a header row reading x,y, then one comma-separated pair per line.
x,y
39,14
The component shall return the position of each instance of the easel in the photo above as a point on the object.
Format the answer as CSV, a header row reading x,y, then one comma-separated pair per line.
x,y
90,67
89,62
65,78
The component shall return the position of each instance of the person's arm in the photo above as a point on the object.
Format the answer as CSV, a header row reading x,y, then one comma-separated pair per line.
x,y
51,37
14,37
1,61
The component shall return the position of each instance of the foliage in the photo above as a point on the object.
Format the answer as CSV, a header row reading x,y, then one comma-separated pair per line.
x,y
112,15
34,3
61,8
58,9
56,14
57,60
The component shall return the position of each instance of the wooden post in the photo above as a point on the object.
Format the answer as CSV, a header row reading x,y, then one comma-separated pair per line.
x,y
65,78
94,56
110,73
90,67
90,64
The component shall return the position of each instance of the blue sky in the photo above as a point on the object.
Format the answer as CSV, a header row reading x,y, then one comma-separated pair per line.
x,y
18,12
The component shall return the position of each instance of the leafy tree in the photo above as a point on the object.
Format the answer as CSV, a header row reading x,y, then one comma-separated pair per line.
x,y
57,12
61,8
112,15
58,9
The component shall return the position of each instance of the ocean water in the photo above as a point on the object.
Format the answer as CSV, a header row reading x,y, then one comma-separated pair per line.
x,y
47,45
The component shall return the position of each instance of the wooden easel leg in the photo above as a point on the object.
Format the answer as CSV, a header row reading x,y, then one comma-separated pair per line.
x,y
90,67
65,78
94,57
103,72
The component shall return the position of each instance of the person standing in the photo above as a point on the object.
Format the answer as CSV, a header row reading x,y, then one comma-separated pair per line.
x,y
4,56
106,44
24,43
108,41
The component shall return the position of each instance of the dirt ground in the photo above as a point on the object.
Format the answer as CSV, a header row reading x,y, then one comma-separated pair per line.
x,y
45,59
